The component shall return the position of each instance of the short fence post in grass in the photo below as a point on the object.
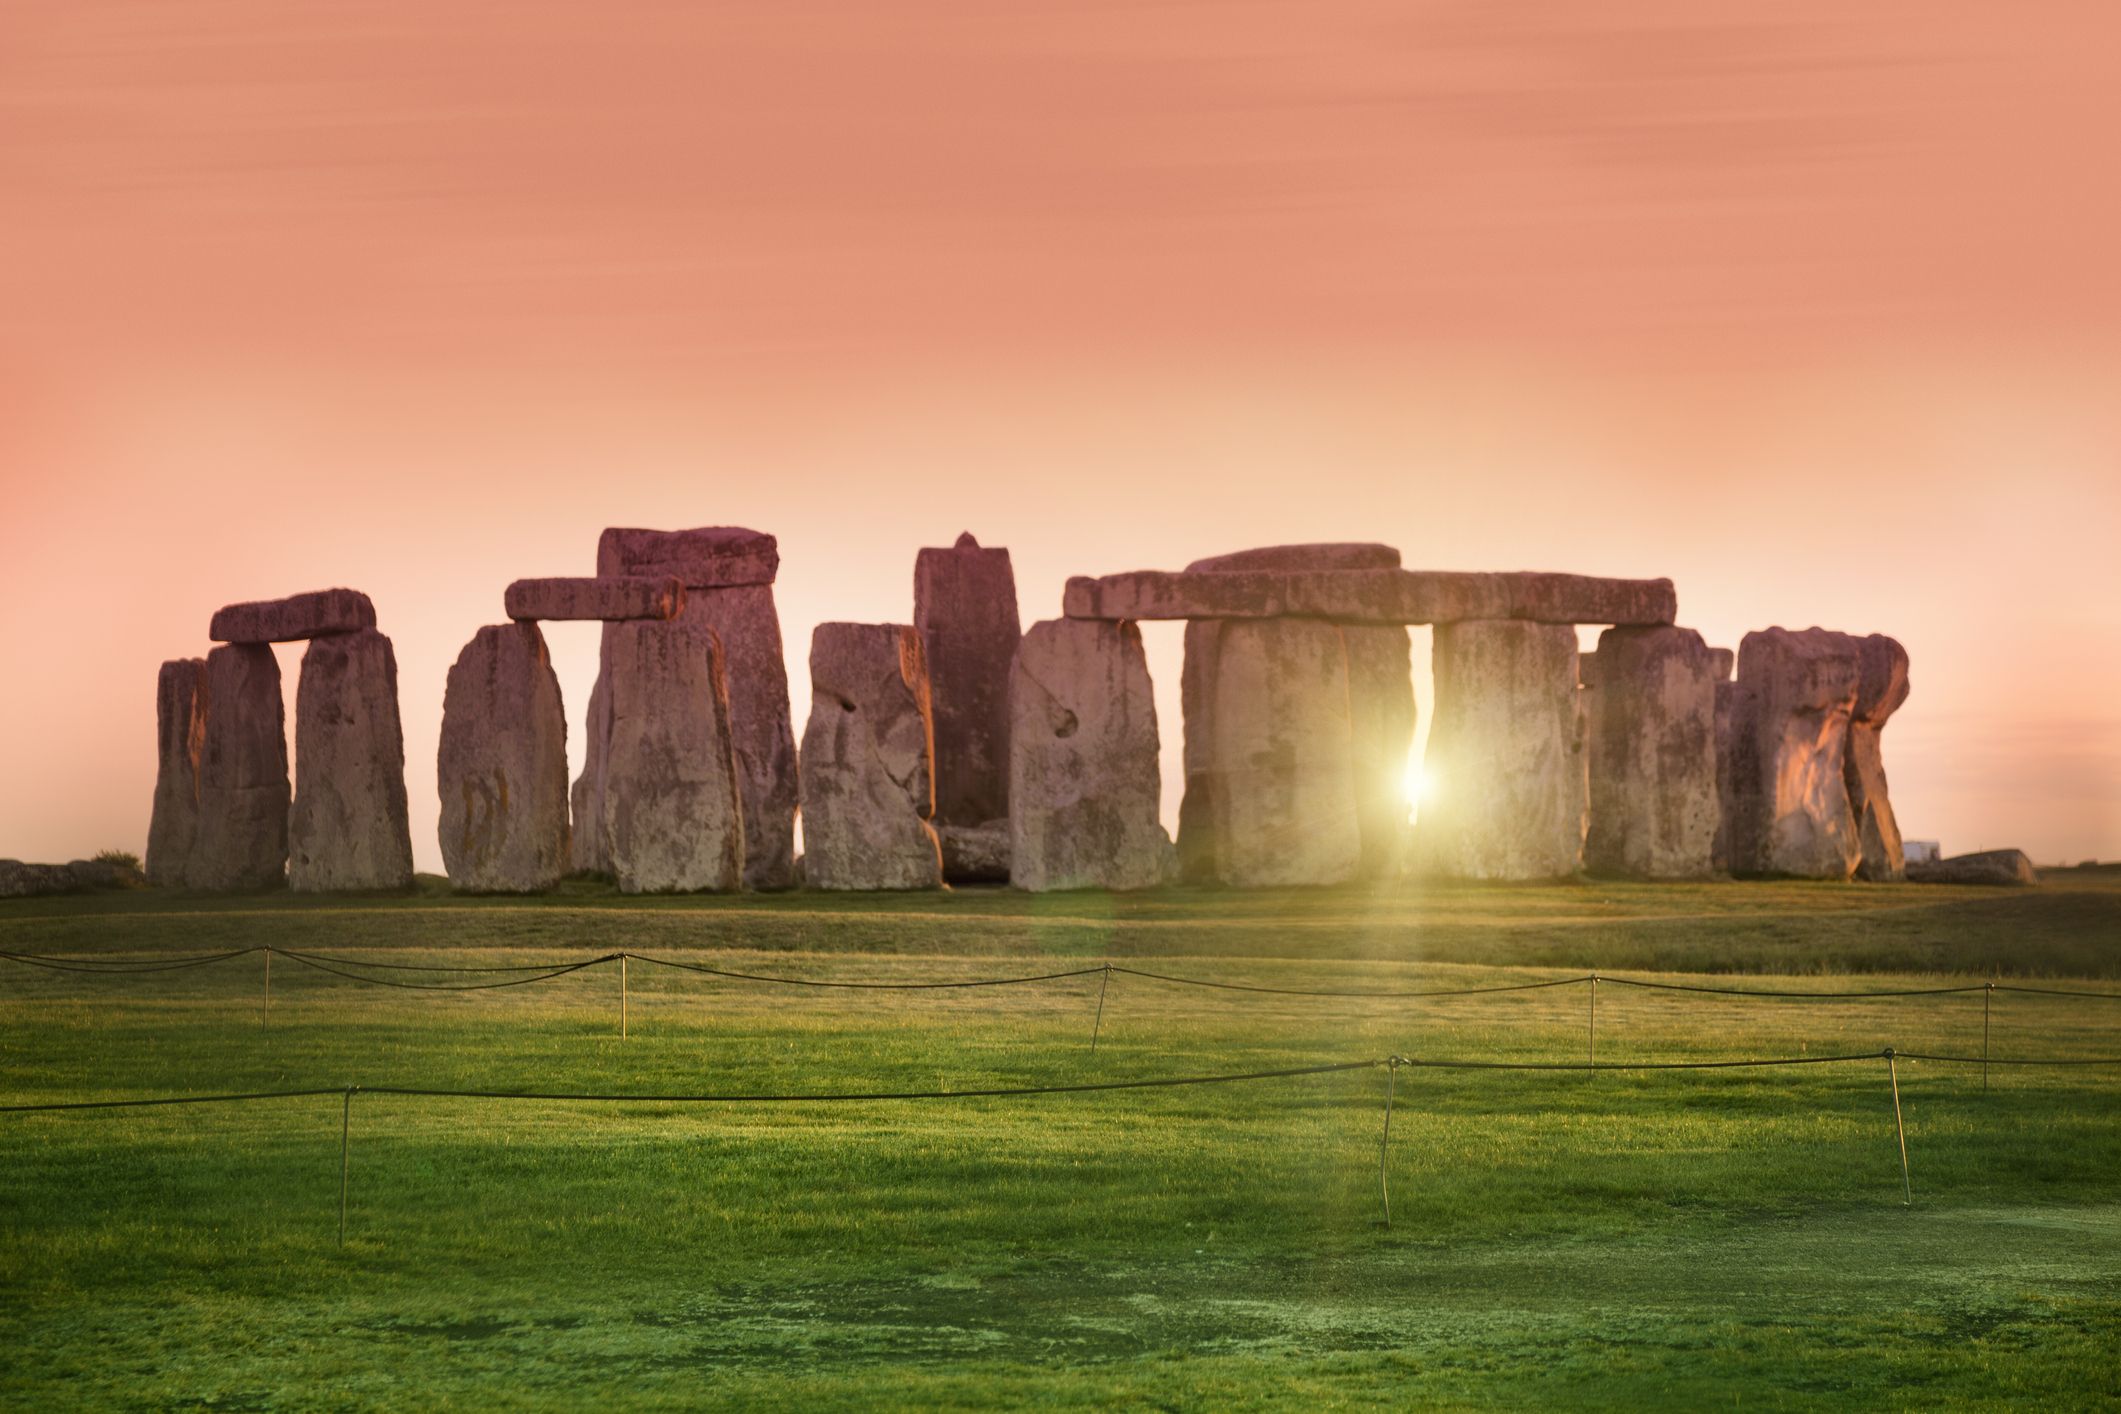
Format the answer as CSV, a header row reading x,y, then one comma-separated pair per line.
x,y
345,1135
265,1009
622,996
1592,1059
1384,1144
1892,1071
1098,1024
1988,996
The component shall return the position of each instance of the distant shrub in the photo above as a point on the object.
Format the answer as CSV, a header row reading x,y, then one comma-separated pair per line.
x,y
118,856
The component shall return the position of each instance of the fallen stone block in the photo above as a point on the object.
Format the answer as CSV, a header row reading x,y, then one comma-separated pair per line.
x,y
1085,781
1988,866
868,780
615,599
299,616
1372,596
502,765
975,854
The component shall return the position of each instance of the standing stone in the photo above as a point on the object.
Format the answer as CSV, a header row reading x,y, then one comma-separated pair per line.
x,y
348,829
180,735
1376,693
502,766
1085,783
1884,686
728,574
672,809
1788,810
1652,753
868,761
243,793
589,852
964,604
1505,753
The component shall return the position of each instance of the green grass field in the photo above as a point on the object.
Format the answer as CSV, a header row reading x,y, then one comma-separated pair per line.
x,y
1676,1238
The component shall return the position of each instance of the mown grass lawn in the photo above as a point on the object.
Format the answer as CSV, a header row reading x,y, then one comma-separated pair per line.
x,y
1624,1239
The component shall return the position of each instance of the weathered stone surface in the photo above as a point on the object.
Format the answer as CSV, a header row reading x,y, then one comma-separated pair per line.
x,y
1378,694
1652,752
1990,866
868,781
1372,596
710,557
1505,755
964,604
617,598
1787,811
1722,663
502,766
672,812
1084,775
728,576
1281,757
1881,691
298,616
589,853
975,854
348,827
180,740
243,789
1726,696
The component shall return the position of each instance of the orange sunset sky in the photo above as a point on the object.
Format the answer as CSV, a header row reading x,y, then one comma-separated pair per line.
x,y
1813,307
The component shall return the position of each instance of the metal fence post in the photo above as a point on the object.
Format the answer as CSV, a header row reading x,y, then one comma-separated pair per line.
x,y
622,996
265,1008
1098,1024
1384,1143
1592,1060
1988,995
345,1135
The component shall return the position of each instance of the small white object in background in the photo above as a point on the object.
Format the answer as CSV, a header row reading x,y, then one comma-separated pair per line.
x,y
1921,851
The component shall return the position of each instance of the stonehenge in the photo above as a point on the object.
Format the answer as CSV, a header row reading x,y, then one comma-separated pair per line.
x,y
959,748
673,815
1882,687
348,828
180,735
1989,866
964,604
241,841
1084,777
1654,808
1788,809
501,768
1279,781
1507,746
868,780
728,575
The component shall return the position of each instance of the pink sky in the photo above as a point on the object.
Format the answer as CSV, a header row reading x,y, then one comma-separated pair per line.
x,y
1811,306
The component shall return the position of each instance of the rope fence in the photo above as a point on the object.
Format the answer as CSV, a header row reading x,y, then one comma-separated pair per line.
x,y
1392,1064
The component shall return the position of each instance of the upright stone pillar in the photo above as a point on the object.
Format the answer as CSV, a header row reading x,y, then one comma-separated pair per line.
x,y
1652,750
1724,661
1505,757
964,604
180,737
1883,687
502,765
728,574
1085,779
243,791
673,814
1375,694
348,829
868,782
1788,811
